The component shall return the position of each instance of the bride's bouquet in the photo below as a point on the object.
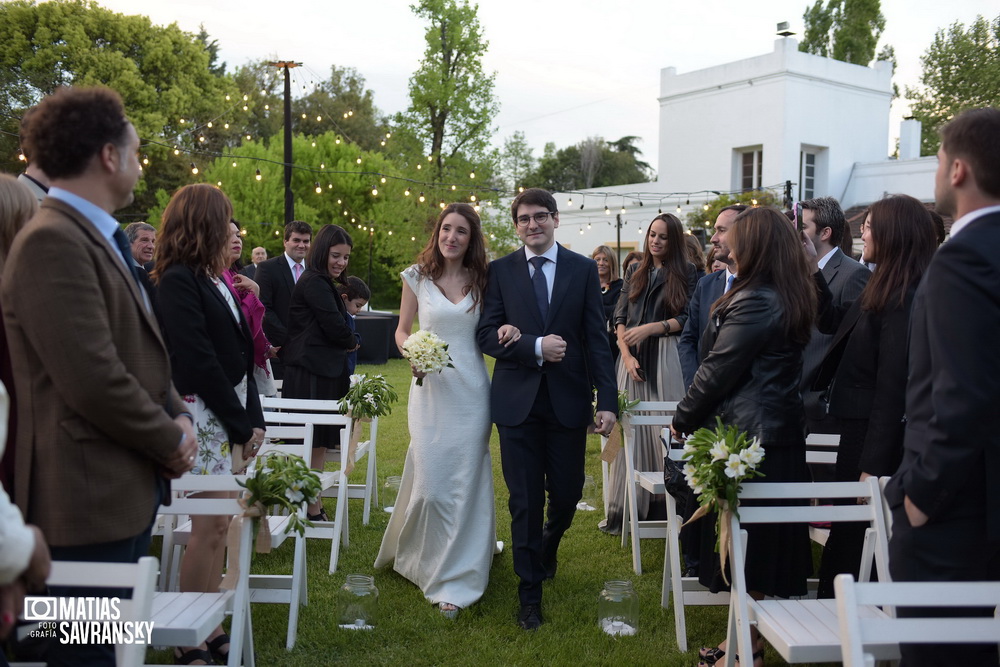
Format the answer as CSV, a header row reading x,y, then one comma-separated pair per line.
x,y
427,353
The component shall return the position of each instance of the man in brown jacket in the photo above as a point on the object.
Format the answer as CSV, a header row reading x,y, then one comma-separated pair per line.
x,y
100,427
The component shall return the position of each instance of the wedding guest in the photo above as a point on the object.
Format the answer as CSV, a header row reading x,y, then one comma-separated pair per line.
x,y
749,375
611,288
863,376
36,180
696,252
247,291
649,318
945,499
442,532
633,258
258,255
212,357
17,206
355,294
319,337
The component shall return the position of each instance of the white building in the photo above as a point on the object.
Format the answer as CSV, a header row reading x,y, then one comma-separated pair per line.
x,y
819,123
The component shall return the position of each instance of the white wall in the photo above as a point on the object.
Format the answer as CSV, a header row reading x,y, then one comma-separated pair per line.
x,y
874,180
779,101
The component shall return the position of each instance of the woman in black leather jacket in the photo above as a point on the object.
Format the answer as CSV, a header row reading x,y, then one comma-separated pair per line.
x,y
749,375
649,317
864,371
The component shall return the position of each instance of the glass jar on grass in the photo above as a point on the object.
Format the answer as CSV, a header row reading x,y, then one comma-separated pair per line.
x,y
390,491
357,602
618,609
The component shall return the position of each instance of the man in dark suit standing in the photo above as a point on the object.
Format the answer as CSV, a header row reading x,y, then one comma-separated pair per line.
x,y
542,391
258,256
945,497
706,292
100,424
276,278
824,223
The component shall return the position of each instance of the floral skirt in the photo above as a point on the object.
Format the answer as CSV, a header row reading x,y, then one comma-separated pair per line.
x,y
214,455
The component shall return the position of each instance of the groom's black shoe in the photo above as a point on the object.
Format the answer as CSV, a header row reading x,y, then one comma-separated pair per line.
x,y
530,617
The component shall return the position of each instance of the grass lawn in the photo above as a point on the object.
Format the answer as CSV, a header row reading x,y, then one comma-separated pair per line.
x,y
411,632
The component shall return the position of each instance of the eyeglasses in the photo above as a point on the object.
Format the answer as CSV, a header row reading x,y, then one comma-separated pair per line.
x,y
865,227
539,218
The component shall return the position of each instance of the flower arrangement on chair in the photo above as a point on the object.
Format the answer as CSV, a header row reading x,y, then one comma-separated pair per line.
x,y
718,461
280,480
368,397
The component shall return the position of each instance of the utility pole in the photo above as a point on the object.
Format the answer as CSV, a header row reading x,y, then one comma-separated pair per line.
x,y
289,200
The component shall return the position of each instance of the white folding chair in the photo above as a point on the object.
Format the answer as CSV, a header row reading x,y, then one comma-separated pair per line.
x,y
861,642
187,619
652,415
139,578
821,449
368,491
804,630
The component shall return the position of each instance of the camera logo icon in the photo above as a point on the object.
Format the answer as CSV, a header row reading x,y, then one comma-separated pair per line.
x,y
38,608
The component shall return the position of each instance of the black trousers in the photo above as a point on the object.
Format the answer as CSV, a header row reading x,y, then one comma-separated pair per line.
x,y
539,457
943,550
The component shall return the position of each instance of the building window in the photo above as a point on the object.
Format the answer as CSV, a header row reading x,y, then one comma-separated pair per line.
x,y
752,166
807,175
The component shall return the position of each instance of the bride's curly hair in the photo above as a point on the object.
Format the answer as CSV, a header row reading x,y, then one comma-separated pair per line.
x,y
431,261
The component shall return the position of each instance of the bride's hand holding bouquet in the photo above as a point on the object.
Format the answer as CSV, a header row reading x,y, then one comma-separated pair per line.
x,y
427,353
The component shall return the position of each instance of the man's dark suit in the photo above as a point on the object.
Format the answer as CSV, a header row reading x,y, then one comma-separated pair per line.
x,y
250,270
276,283
845,278
542,412
706,292
951,448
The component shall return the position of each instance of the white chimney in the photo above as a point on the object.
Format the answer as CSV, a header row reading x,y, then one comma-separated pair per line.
x,y
909,139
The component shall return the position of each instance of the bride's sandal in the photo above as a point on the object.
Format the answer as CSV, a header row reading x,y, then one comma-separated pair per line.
x,y
448,610
710,655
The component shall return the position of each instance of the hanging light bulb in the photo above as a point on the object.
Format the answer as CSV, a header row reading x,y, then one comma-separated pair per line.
x,y
209,124
246,97
374,191
358,160
225,126
145,159
219,183
406,192
383,180
319,188
382,143
319,119
177,151
419,167
267,107
337,141
314,144
388,135
622,211
520,188
753,201
678,209
303,116
569,202
201,138
705,207
194,168
475,207
472,196
234,163
248,137
246,108
421,198
258,176
441,204
607,211
228,98
472,174
182,121
322,165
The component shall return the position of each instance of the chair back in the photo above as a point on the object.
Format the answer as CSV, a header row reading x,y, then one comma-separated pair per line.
x,y
856,636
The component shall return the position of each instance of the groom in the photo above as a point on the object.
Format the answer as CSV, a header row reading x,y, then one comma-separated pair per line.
x,y
542,390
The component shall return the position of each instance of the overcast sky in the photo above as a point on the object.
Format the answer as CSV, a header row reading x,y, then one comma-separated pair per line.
x,y
565,70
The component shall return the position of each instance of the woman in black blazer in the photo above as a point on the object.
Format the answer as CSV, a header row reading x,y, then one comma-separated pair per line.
x,y
319,337
611,288
211,357
864,372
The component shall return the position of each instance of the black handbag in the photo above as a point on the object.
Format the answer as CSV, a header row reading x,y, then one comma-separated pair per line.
x,y
673,480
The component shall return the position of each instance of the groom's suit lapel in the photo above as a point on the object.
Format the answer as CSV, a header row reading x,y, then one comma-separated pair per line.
x,y
563,281
522,283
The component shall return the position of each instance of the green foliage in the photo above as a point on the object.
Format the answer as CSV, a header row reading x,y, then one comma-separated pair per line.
x,y
705,217
285,481
369,396
344,101
592,163
162,73
452,104
846,30
516,161
961,70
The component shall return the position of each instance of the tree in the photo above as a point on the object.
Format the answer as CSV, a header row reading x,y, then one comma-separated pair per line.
x,y
704,217
516,161
162,74
846,30
592,163
343,104
452,105
961,70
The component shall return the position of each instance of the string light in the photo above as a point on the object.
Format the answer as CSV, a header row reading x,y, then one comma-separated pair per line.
x,y
226,126
201,138
177,151
406,192
234,163
472,196
194,168
145,159
569,202
441,204
421,198
622,211
258,176
472,174
374,191
383,180
319,188
358,160
209,125
319,119
607,211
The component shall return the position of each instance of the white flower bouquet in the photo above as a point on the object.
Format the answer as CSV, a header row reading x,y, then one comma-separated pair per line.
x,y
427,353
283,480
368,396
718,461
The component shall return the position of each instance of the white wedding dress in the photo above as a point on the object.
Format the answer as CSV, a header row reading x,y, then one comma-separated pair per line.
x,y
442,532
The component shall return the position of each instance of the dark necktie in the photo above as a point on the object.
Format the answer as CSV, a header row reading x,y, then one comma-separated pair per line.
x,y
126,249
540,286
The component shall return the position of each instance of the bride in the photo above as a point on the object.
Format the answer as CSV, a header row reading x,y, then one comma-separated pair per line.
x,y
442,533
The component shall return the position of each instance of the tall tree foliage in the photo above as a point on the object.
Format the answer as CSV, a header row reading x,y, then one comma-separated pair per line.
x,y
846,30
516,161
162,73
961,70
343,103
452,104
592,163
